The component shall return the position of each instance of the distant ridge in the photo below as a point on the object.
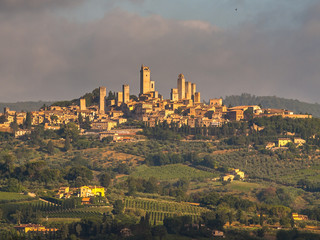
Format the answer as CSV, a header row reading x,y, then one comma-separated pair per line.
x,y
24,106
274,102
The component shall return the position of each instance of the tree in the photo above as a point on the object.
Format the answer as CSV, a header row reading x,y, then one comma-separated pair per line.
x,y
292,222
64,231
107,140
118,207
80,174
248,114
13,185
111,96
80,119
50,147
3,119
213,220
78,229
173,224
6,165
54,118
67,144
17,216
261,232
151,185
211,199
284,221
134,98
159,231
261,219
87,123
70,129
14,125
105,180
230,217
28,121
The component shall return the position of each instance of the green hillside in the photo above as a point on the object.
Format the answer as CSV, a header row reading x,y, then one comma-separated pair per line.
x,y
273,102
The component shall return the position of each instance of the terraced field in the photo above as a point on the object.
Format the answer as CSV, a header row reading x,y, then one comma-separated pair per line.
x,y
159,210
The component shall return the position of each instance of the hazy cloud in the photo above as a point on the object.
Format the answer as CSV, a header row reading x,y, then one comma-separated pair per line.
x,y
46,57
35,5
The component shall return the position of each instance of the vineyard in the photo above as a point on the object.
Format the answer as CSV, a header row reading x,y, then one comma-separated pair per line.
x,y
159,210
53,210
73,213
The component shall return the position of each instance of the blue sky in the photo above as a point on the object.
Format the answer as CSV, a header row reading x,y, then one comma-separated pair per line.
x,y
61,49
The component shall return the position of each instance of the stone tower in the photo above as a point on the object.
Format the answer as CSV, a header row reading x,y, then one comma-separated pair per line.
x,y
126,93
145,82
188,90
152,86
215,102
193,90
197,97
119,98
102,99
174,94
83,104
181,86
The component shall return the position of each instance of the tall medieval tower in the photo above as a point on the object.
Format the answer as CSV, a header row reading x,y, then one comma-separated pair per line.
x,y
126,93
144,80
102,99
83,104
181,86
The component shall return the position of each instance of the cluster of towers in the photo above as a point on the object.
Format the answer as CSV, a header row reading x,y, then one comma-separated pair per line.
x,y
185,90
147,86
122,97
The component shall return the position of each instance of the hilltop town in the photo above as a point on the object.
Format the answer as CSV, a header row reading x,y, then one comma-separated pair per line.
x,y
184,108
112,165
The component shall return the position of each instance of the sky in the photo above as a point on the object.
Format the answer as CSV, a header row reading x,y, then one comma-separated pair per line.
x,y
61,49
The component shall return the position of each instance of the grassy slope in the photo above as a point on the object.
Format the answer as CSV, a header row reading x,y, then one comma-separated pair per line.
x,y
171,172
9,196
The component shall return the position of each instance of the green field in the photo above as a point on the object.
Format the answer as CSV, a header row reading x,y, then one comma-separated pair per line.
x,y
171,172
59,220
243,186
11,196
312,174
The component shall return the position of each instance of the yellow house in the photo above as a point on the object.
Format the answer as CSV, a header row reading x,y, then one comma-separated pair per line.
x,y
34,228
64,189
228,177
299,217
241,174
270,145
282,142
63,192
90,191
299,141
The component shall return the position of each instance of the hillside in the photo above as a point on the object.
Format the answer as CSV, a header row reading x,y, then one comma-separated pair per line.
x,y
273,102
24,106
163,183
